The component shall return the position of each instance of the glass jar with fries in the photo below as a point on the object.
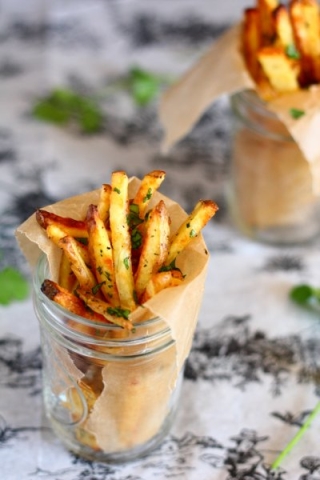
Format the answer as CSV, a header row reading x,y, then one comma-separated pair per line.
x,y
112,368
270,185
109,395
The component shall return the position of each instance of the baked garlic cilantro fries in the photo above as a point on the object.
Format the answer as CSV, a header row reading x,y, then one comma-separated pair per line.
x,y
281,45
122,253
114,376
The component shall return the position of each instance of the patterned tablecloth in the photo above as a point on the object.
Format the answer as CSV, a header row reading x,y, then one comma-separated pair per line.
x,y
253,372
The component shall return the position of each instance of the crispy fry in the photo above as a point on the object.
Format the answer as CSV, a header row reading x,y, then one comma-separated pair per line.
x,y
306,27
121,239
68,300
75,228
149,184
161,280
283,28
278,69
67,278
191,227
114,315
74,250
265,9
154,248
101,254
251,41
104,202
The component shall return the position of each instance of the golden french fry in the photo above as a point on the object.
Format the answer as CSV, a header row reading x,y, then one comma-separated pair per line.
x,y
67,278
68,300
283,28
75,228
191,227
100,249
149,184
279,69
154,248
104,202
161,280
306,27
121,239
74,251
251,41
116,315
265,10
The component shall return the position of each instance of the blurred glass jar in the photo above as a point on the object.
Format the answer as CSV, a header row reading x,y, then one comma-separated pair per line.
x,y
109,395
269,192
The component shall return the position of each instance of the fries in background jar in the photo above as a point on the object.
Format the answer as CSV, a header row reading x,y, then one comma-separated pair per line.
x,y
271,195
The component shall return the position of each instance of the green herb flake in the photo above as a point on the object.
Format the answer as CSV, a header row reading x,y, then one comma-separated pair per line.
x,y
126,262
296,113
148,196
13,286
117,190
292,52
192,233
96,288
119,312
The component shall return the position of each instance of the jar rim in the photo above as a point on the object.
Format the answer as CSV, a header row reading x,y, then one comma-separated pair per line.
x,y
257,105
141,329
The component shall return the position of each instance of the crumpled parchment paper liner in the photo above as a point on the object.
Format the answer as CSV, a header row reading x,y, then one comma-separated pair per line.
x,y
178,307
222,71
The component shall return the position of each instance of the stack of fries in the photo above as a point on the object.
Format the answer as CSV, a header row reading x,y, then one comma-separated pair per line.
x,y
281,45
122,253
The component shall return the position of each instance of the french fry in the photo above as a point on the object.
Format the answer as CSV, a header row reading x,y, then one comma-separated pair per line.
x,y
161,280
114,315
104,202
68,300
278,69
75,228
265,9
154,247
251,41
121,239
283,28
191,227
149,184
306,27
100,249
78,262
67,278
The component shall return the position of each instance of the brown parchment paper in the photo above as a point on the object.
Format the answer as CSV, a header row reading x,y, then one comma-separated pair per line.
x,y
222,71
135,398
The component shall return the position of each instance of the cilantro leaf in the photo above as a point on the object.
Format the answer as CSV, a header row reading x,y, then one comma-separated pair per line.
x,y
13,286
292,52
63,106
296,113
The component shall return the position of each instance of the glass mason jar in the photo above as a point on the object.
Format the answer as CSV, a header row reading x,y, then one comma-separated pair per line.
x,y
269,191
110,395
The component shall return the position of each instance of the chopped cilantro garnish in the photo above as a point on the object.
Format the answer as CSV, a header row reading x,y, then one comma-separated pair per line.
x,y
116,190
126,262
148,195
292,52
119,312
296,113
97,287
13,286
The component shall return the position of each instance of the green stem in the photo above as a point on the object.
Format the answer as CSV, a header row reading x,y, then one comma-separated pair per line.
x,y
297,437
